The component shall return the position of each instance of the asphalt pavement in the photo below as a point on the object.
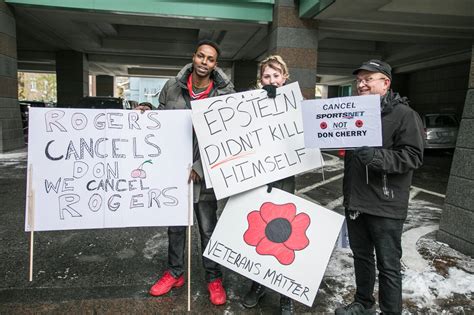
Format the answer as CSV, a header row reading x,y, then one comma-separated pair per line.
x,y
109,271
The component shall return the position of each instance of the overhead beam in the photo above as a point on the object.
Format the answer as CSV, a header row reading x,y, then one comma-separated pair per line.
x,y
146,61
435,62
243,10
252,48
157,47
398,33
310,8
36,67
433,7
152,72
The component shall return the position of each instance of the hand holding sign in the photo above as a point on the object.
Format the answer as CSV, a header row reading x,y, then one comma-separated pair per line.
x,y
90,168
346,122
271,90
248,139
279,240
365,154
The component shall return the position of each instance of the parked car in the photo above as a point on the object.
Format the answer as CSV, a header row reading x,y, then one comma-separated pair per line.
x,y
133,104
25,107
441,130
102,102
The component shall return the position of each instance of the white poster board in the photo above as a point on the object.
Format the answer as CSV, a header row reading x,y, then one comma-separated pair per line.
x,y
91,168
279,240
247,139
345,122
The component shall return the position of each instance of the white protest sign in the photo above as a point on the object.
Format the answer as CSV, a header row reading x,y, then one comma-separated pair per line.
x,y
345,122
343,239
277,239
91,168
247,139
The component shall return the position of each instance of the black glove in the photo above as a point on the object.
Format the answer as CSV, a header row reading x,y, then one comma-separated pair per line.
x,y
365,154
269,187
271,90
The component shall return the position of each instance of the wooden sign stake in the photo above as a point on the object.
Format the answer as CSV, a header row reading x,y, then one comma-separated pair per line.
x,y
190,218
31,217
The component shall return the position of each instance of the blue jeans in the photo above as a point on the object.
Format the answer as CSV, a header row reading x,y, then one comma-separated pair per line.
x,y
366,234
206,214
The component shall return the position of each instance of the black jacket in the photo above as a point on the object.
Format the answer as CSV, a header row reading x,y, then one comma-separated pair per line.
x,y
175,95
390,171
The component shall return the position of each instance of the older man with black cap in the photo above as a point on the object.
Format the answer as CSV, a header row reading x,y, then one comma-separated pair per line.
x,y
376,191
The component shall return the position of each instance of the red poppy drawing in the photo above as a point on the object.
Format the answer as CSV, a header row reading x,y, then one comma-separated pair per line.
x,y
323,125
359,123
278,231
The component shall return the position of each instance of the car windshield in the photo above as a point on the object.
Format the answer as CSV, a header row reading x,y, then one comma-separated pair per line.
x,y
440,121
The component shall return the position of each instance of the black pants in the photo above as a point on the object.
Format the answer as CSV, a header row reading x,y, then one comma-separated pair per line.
x,y
366,233
206,214
287,184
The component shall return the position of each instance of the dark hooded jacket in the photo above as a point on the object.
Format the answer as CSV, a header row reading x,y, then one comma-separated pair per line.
x,y
175,95
390,172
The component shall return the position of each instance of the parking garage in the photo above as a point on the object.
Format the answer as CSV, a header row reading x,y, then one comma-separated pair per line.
x,y
428,43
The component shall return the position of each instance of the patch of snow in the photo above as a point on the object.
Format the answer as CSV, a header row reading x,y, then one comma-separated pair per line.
x,y
158,243
423,289
21,154
126,253
422,213
411,257
339,277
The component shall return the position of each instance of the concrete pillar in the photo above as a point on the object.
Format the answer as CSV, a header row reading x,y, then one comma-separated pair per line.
x,y
244,75
72,75
457,219
296,40
105,85
11,129
92,86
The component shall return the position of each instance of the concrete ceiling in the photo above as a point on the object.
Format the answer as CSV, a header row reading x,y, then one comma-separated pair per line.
x,y
128,44
409,34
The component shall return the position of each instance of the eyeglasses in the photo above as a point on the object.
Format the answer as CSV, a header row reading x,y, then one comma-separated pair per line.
x,y
368,80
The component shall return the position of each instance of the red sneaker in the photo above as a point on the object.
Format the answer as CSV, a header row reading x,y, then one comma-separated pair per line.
x,y
217,293
165,284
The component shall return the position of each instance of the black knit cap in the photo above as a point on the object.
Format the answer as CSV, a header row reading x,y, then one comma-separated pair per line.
x,y
375,65
210,43
147,104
